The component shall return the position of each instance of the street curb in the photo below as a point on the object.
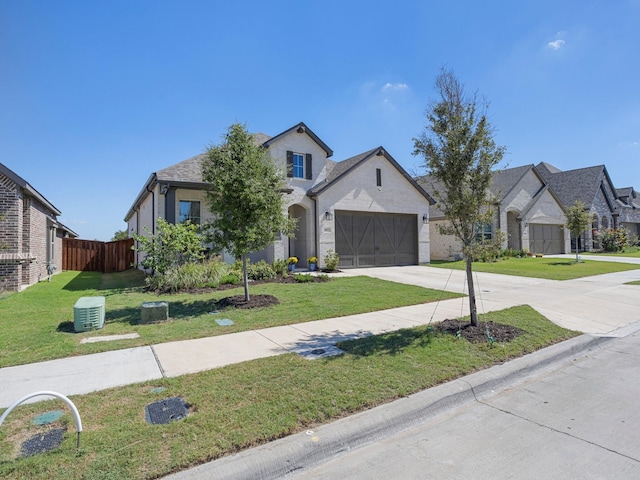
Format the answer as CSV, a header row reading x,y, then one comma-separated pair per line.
x,y
304,450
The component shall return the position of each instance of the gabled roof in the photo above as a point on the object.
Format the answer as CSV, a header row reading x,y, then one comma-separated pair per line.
x,y
339,170
301,128
580,184
503,181
189,171
27,188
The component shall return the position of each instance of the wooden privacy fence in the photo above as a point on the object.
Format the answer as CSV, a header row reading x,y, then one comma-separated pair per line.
x,y
93,255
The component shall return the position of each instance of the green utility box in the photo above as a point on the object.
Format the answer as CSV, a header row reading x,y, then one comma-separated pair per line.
x,y
88,314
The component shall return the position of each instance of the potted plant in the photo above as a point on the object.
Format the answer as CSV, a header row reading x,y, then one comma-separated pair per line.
x,y
313,263
292,261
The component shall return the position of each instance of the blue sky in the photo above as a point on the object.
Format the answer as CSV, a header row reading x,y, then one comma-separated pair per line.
x,y
96,95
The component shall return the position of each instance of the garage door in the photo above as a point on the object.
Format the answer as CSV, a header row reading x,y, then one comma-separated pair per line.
x,y
376,239
547,239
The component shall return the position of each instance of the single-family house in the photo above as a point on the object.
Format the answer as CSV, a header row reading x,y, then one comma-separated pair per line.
x,y
629,210
366,208
593,187
30,234
525,210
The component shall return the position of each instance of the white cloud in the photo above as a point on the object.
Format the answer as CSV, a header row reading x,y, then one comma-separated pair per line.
x,y
556,44
395,86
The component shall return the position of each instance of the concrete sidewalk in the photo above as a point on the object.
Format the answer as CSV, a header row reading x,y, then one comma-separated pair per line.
x,y
597,305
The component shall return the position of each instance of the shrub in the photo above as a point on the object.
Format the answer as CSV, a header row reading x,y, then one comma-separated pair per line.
x,y
280,267
303,278
260,271
613,240
188,275
231,278
331,260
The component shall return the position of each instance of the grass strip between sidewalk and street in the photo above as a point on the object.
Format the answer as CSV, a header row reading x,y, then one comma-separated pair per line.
x,y
37,324
549,268
251,403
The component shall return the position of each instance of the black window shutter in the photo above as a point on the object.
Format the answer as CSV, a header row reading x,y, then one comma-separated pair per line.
x,y
308,166
289,164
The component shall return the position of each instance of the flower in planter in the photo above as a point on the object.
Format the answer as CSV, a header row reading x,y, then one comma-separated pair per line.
x,y
292,260
312,259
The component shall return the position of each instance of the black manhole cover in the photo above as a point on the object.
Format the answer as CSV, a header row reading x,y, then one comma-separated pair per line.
x,y
42,442
317,351
166,411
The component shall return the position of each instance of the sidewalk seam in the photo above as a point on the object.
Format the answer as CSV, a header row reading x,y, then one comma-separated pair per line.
x,y
155,355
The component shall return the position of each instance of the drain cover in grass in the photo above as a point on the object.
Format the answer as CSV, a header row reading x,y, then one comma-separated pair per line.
x,y
320,352
166,411
47,417
158,389
42,442
224,322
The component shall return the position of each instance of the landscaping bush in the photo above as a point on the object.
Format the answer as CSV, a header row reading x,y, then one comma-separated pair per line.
x,y
331,260
260,271
613,240
280,267
188,276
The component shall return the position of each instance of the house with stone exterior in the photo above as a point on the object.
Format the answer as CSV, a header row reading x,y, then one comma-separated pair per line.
x,y
525,210
593,187
366,208
30,234
628,207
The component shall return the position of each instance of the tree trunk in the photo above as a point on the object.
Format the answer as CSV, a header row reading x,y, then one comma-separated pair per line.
x,y
577,249
245,278
473,312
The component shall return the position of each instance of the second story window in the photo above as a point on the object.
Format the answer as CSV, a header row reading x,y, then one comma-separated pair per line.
x,y
189,211
298,165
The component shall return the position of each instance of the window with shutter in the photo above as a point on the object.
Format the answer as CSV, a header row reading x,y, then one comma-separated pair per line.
x,y
299,165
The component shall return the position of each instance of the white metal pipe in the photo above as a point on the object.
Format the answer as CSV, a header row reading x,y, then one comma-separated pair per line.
x,y
76,414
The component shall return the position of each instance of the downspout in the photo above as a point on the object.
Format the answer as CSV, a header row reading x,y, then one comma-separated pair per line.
x,y
153,210
315,226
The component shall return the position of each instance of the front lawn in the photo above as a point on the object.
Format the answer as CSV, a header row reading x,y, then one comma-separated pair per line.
x,y
549,268
628,252
251,403
37,324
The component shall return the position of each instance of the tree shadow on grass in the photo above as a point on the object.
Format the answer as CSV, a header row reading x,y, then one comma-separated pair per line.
x,y
391,343
177,311
362,343
563,264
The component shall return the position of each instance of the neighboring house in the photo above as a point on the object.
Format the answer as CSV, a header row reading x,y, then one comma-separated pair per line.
x,y
30,234
629,210
524,209
593,187
366,208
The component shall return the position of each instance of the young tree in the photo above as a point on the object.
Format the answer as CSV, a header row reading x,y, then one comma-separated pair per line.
x,y
578,221
173,245
120,235
245,196
460,155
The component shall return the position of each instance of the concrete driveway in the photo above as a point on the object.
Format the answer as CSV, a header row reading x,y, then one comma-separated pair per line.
x,y
599,304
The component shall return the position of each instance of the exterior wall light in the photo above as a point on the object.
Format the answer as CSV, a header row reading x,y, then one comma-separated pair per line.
x,y
425,218
328,215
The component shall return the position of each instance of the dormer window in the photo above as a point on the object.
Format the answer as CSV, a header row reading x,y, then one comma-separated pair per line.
x,y
299,165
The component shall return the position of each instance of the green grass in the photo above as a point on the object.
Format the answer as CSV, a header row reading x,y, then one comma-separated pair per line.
x,y
247,404
628,252
37,324
633,283
549,268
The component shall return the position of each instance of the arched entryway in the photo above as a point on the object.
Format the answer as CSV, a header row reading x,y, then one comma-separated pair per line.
x,y
299,244
513,231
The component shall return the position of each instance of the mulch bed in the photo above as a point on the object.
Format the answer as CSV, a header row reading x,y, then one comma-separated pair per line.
x,y
238,301
499,332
